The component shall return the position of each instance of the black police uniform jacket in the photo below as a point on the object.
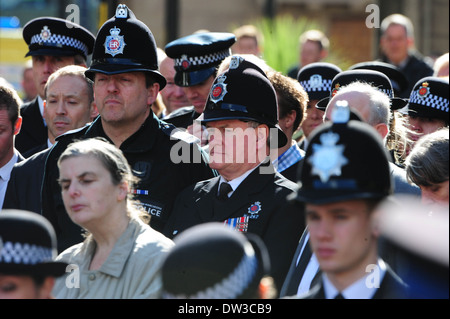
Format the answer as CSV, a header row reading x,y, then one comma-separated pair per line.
x,y
182,117
33,132
260,197
148,152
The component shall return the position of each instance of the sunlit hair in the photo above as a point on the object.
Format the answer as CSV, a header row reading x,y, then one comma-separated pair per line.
x,y
427,164
113,161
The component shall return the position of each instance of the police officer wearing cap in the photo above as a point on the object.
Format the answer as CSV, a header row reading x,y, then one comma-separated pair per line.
x,y
52,44
249,195
126,82
316,79
340,194
428,106
197,57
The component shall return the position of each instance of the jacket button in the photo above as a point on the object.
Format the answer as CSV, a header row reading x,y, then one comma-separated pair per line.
x,y
92,277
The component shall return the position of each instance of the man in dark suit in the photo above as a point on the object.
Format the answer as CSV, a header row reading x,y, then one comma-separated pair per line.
x,y
241,118
52,43
340,195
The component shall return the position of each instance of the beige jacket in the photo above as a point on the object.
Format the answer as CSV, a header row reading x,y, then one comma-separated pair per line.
x,y
130,271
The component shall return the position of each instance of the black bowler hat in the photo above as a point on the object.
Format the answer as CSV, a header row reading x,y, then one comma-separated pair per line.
x,y
244,92
213,261
28,245
316,79
429,98
197,55
57,37
125,44
398,79
375,78
345,160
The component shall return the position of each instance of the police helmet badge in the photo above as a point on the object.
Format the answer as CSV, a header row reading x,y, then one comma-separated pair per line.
x,y
424,90
45,33
219,89
114,43
315,81
335,89
185,64
235,61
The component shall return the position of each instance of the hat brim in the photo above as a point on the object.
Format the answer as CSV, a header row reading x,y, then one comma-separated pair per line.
x,y
332,196
277,139
192,78
52,269
322,104
397,103
110,69
52,51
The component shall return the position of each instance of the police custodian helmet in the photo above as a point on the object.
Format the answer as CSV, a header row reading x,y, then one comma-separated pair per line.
x,y
345,160
244,92
125,44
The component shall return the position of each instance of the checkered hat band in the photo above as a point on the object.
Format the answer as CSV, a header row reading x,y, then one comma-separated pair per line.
x,y
204,59
24,254
313,87
57,39
431,100
230,287
387,92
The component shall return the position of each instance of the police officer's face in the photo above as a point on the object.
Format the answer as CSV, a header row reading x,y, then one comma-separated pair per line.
x,y
421,126
173,95
342,236
123,98
198,94
45,65
24,287
67,105
313,118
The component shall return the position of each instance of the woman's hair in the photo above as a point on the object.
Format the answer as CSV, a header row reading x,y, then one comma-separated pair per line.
x,y
427,164
113,161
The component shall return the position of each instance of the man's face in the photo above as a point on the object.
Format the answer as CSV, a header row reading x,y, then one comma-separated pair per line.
x,y
246,45
313,118
173,95
7,132
44,66
123,99
395,43
67,105
28,85
234,145
341,236
310,53
198,94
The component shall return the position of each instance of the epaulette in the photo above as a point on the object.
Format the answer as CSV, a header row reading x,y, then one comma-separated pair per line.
x,y
178,134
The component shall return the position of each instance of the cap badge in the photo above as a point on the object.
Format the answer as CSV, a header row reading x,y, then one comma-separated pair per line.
x,y
45,33
114,43
315,81
185,64
328,158
424,90
254,209
235,61
219,89
336,89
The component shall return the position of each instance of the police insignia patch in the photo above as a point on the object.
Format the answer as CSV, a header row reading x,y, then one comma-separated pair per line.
x,y
327,158
335,89
219,89
114,43
235,61
424,90
315,81
45,33
254,209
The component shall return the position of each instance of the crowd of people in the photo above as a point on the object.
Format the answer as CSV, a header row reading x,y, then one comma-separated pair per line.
x,y
199,171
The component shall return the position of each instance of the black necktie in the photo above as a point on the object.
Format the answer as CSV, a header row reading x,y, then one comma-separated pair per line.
x,y
224,189
299,270
339,296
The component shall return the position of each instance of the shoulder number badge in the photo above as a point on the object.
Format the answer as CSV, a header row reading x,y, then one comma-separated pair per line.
x,y
114,43
328,158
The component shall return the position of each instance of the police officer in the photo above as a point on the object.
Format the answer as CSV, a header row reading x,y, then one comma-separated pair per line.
x,y
197,57
126,82
316,79
241,118
52,43
340,194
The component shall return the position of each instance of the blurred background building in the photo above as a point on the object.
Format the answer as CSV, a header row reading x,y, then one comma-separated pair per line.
x,y
343,21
